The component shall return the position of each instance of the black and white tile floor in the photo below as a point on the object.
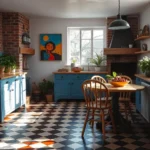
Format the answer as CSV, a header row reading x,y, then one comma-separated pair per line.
x,y
45,126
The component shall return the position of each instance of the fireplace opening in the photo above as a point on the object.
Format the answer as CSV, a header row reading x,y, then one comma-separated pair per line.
x,y
128,69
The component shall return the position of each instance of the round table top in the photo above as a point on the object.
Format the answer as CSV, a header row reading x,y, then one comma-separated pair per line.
x,y
128,87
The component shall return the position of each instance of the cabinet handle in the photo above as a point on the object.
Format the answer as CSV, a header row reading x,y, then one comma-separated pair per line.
x,y
7,82
61,76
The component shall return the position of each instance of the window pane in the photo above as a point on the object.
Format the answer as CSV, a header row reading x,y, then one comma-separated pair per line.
x,y
75,49
97,47
86,34
85,51
98,44
74,34
97,34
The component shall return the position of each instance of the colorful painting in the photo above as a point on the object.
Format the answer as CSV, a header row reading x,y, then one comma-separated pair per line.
x,y
51,47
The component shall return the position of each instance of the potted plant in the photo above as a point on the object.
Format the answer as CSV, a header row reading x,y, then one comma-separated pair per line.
x,y
46,88
10,63
3,61
144,65
98,61
73,61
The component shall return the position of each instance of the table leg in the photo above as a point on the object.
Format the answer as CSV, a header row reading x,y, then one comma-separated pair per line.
x,y
124,125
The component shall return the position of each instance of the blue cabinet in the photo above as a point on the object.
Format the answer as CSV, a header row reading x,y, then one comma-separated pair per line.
x,y
138,96
13,94
68,86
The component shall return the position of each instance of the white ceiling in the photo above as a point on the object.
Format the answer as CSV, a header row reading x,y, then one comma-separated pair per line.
x,y
73,8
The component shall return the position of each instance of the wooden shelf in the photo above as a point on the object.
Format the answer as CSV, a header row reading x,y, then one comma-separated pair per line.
x,y
142,52
120,51
28,51
142,38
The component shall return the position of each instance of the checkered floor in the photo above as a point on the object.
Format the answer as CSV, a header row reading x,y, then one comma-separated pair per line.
x,y
48,126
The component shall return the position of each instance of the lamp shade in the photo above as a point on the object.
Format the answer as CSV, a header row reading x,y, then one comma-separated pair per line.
x,y
119,24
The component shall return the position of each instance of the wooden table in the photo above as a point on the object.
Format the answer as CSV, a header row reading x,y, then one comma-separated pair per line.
x,y
124,125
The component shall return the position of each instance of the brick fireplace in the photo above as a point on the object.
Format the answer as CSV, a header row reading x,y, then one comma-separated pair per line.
x,y
122,64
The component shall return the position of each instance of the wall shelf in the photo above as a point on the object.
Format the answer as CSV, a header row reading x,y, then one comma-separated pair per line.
x,y
28,51
121,51
142,38
142,52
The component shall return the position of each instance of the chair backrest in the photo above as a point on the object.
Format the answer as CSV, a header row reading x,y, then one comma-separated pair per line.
x,y
125,95
94,91
99,78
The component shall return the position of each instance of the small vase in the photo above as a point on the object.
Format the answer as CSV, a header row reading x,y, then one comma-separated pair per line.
x,y
147,73
72,65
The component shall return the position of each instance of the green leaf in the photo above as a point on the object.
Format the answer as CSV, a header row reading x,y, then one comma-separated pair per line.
x,y
114,74
109,76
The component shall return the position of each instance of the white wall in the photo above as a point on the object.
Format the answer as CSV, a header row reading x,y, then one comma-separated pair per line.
x,y
145,20
44,69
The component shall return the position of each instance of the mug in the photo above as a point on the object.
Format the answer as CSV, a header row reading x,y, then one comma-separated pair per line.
x,y
130,45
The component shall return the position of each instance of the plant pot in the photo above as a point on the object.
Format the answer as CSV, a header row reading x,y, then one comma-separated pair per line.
x,y
13,70
49,97
147,73
97,69
2,69
72,66
8,70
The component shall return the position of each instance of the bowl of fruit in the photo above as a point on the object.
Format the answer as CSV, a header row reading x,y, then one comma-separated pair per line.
x,y
116,80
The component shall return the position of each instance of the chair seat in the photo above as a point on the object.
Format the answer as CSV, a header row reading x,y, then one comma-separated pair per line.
x,y
123,99
104,98
103,106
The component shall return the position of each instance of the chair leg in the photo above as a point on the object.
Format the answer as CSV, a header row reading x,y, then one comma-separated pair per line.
x,y
112,120
93,118
103,124
85,122
130,111
126,108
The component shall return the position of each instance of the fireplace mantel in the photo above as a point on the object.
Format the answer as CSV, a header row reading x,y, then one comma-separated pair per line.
x,y
121,51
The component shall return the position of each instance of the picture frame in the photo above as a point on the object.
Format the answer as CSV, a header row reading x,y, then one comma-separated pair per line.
x,y
50,47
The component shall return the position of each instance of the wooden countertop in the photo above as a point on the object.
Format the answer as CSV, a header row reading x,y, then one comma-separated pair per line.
x,y
10,75
143,77
82,72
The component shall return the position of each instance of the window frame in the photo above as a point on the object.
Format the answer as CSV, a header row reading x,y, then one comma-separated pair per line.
x,y
81,29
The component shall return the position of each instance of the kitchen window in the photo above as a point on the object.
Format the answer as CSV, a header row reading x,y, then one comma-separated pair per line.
x,y
84,43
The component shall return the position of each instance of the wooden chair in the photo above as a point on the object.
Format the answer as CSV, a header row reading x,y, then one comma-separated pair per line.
x,y
93,91
125,98
99,78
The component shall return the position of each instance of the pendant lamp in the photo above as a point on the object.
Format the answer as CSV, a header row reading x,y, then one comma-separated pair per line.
x,y
119,23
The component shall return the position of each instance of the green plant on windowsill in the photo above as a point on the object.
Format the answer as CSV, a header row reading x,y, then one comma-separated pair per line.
x,y
98,61
144,65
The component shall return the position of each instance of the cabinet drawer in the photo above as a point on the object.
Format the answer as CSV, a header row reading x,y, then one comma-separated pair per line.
x,y
61,76
79,77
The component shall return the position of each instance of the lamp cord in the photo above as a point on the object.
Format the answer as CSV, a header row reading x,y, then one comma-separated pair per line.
x,y
119,9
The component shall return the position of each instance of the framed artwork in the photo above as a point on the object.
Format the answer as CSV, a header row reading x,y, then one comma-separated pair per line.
x,y
51,47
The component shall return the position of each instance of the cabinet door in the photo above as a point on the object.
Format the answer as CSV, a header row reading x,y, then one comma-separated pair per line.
x,y
61,86
76,91
23,89
138,97
17,93
76,83
8,96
